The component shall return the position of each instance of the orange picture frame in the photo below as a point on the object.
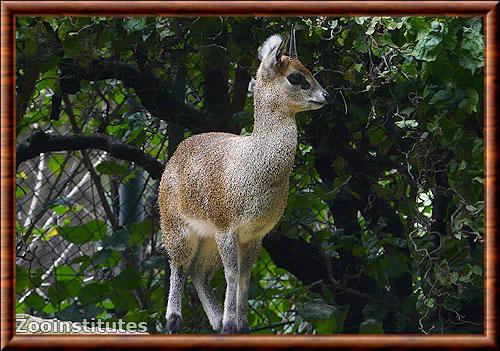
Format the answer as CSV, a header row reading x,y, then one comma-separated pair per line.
x,y
10,9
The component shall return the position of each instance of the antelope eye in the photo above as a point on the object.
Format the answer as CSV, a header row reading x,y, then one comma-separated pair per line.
x,y
298,79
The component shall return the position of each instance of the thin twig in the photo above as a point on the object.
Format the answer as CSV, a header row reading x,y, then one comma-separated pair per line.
x,y
88,164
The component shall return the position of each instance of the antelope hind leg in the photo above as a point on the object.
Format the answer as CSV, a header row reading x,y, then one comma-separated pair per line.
x,y
207,261
180,260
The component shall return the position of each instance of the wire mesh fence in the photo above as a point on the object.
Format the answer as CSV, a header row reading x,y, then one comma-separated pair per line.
x,y
88,240
89,246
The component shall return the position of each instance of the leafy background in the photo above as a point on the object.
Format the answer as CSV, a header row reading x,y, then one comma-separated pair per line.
x,y
384,228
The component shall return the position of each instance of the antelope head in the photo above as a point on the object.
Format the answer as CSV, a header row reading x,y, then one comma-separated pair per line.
x,y
283,79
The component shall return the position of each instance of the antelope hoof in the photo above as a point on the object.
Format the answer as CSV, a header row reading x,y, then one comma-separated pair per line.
x,y
229,328
173,324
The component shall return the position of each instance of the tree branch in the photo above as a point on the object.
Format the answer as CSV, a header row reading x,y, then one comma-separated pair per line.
x,y
25,86
309,264
41,142
441,195
240,90
215,78
88,164
156,96
297,256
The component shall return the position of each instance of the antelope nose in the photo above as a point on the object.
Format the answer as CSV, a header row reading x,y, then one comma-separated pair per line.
x,y
327,96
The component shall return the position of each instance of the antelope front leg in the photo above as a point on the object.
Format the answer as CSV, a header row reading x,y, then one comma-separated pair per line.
x,y
226,243
248,253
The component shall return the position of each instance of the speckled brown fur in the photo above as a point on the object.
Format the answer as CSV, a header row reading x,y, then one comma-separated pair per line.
x,y
221,193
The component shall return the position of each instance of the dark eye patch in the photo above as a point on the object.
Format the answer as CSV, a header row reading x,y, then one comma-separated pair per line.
x,y
298,79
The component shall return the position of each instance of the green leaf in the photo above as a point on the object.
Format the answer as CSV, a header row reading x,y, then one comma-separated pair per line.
x,y
427,45
338,184
361,45
21,191
376,135
94,292
128,279
139,232
91,231
124,299
477,270
108,304
479,180
471,54
469,104
118,240
61,209
56,163
57,293
134,24
36,301
73,46
23,281
410,68
360,20
315,311
470,208
394,263
442,95
408,123
407,111
112,168
65,273
325,327
49,309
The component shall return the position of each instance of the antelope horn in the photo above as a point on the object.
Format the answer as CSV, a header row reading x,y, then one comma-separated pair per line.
x,y
292,49
282,48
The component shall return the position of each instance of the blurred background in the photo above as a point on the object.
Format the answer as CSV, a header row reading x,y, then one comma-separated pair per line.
x,y
384,228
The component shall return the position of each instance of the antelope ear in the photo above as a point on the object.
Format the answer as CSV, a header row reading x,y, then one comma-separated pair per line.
x,y
271,51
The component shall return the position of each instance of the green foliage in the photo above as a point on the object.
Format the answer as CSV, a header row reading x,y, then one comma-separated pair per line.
x,y
90,231
112,168
388,183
